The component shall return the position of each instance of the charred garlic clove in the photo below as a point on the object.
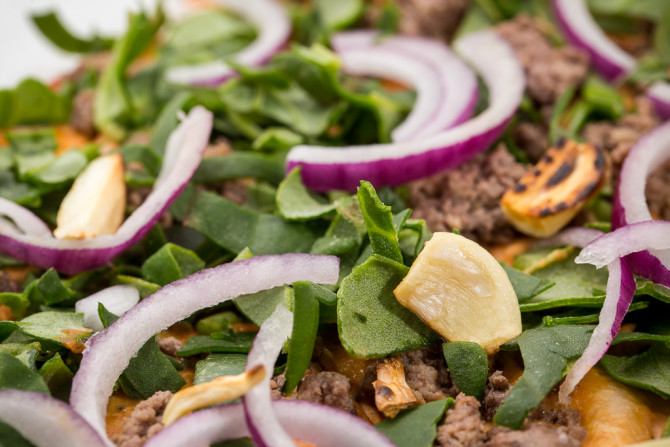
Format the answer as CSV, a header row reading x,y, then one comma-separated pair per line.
x,y
96,203
553,192
458,289
220,390
392,394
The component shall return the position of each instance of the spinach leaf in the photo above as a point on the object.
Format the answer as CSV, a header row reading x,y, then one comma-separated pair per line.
x,y
217,322
412,238
113,109
15,375
416,427
240,164
50,290
526,286
257,307
217,365
52,329
468,365
171,263
379,223
648,370
17,302
234,228
167,121
371,322
547,355
582,316
217,342
25,352
52,28
303,335
32,102
148,371
275,139
296,202
145,288
645,287
58,377
339,15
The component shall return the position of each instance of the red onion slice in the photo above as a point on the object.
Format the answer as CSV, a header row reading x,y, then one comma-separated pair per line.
x,y
261,419
583,32
182,156
109,351
45,421
613,63
116,299
306,421
446,97
326,168
15,218
630,203
274,28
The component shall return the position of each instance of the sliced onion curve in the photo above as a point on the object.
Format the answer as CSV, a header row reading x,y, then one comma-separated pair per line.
x,y
182,157
108,352
328,168
274,28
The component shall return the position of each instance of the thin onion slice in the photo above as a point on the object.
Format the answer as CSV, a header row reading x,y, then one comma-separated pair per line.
x,y
274,28
45,421
630,204
327,168
261,419
613,63
446,87
116,299
182,156
620,291
305,421
16,218
109,351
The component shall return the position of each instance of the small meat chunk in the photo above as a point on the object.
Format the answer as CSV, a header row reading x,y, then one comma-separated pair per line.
x,y
81,117
438,19
497,389
328,388
144,422
549,70
658,192
427,374
7,284
467,198
532,139
463,425
169,345
537,434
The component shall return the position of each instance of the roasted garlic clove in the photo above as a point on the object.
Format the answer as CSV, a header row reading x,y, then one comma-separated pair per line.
x,y
458,289
553,192
96,203
220,390
392,394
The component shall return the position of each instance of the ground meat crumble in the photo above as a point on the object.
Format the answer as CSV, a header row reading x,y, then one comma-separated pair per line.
x,y
467,198
144,422
328,388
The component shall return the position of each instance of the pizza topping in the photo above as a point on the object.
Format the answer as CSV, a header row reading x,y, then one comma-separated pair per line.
x,y
96,203
392,394
556,189
458,289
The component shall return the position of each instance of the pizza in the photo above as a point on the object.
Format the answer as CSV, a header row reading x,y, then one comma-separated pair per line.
x,y
412,223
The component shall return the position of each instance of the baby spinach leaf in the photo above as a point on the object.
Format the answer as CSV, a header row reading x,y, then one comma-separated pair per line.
x,y
217,365
17,302
15,375
547,355
240,164
234,228
58,377
217,322
60,170
371,322
257,307
649,288
303,335
648,370
218,342
275,139
345,232
167,121
379,223
145,288
52,329
32,102
468,365
25,352
49,289
339,15
582,316
412,238
149,370
52,28
416,427
171,263
526,286
296,202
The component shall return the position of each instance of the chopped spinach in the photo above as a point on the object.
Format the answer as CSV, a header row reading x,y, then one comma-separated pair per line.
x,y
416,427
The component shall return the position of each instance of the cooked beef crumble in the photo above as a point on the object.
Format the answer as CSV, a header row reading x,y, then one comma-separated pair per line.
x,y
7,284
81,117
144,422
497,389
467,198
427,374
463,425
328,388
434,18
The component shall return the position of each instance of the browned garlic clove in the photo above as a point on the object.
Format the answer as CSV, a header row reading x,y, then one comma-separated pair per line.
x,y
392,394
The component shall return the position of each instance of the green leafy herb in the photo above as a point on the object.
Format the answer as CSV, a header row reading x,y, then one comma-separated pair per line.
x,y
468,365
58,377
303,335
145,288
648,370
547,354
32,102
526,286
52,329
416,427
259,306
52,28
371,322
171,263
379,223
218,322
339,15
296,202
217,365
15,375
217,342
269,167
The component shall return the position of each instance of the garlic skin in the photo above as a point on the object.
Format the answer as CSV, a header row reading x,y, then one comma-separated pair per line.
x,y
458,289
96,203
